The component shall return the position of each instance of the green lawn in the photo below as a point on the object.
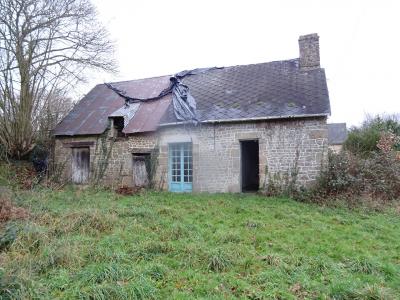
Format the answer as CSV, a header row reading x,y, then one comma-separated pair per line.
x,y
98,245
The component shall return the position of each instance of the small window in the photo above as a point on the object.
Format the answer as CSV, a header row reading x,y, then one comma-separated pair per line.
x,y
119,125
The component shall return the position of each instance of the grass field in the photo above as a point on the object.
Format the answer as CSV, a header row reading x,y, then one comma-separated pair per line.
x,y
94,244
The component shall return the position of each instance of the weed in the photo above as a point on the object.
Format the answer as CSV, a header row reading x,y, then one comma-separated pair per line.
x,y
156,272
271,260
362,265
230,237
90,222
219,261
8,236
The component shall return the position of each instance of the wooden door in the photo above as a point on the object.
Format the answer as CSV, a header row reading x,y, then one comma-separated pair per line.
x,y
80,165
140,175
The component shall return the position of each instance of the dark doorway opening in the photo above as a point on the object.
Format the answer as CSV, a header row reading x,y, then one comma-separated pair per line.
x,y
249,165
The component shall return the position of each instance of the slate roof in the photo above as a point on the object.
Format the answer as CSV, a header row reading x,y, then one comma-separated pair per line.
x,y
277,89
90,115
337,133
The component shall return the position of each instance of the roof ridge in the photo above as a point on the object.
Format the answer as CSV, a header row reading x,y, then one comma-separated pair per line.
x,y
137,79
223,67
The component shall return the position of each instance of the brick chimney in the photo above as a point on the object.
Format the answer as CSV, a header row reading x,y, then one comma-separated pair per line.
x,y
309,51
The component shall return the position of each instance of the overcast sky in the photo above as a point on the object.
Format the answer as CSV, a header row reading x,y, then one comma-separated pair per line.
x,y
359,43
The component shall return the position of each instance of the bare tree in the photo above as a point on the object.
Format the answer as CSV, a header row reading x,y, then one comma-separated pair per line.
x,y
57,105
45,47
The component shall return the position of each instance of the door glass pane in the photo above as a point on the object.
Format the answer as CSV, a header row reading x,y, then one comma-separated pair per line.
x,y
187,163
175,163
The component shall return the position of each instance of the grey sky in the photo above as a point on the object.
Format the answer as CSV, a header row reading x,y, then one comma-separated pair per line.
x,y
359,41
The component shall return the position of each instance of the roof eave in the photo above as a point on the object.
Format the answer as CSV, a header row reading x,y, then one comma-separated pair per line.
x,y
249,119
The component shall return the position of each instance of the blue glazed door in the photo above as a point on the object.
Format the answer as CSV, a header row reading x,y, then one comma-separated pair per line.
x,y
180,167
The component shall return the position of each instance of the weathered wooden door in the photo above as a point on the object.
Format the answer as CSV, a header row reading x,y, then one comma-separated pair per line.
x,y
140,175
80,165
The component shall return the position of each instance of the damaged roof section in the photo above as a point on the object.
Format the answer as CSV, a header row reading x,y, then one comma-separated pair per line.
x,y
90,115
269,90
127,112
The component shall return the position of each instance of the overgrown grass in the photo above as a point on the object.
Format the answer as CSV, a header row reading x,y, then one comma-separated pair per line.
x,y
94,244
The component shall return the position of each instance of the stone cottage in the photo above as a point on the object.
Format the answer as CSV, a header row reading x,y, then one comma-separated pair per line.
x,y
249,124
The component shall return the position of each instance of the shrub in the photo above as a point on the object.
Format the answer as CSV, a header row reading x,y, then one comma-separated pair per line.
x,y
380,175
364,140
367,169
348,176
39,158
339,175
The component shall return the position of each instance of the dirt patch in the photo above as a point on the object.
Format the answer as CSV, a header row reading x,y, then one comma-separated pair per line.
x,y
127,191
10,212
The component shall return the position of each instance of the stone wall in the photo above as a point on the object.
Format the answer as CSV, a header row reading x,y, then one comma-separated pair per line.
x,y
112,154
216,152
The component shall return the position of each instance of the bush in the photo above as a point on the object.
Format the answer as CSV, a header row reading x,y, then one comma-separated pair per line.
x,y
39,158
348,176
367,170
364,140
340,174
380,176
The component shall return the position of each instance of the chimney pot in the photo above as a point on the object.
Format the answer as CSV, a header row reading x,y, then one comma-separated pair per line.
x,y
309,51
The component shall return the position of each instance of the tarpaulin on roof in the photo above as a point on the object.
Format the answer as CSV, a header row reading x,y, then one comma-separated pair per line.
x,y
183,102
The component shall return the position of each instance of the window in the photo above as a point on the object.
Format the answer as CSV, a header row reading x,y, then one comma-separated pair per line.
x,y
119,125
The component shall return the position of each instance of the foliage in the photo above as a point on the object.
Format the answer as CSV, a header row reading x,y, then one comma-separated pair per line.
x,y
38,157
18,174
375,178
388,141
104,146
364,140
45,48
367,170
95,244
